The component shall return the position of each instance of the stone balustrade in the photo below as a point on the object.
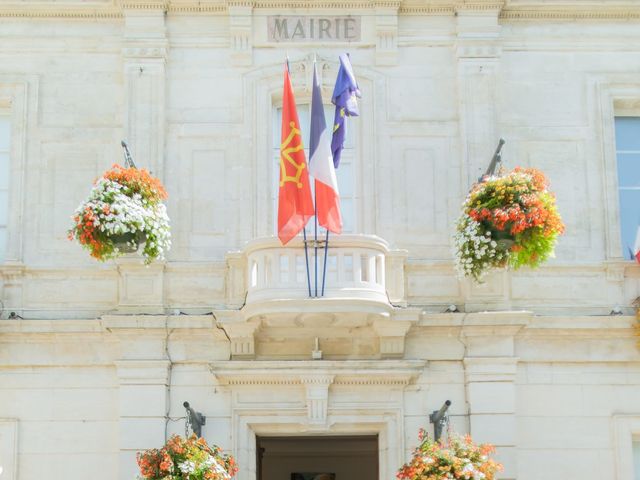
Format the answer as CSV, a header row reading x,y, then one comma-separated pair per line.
x,y
359,268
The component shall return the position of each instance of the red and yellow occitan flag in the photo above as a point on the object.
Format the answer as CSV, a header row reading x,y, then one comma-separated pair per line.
x,y
295,206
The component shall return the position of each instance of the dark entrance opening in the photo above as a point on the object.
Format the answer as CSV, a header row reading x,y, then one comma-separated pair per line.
x,y
308,458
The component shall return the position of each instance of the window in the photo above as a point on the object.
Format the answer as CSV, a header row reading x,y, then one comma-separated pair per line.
x,y
628,160
5,136
344,173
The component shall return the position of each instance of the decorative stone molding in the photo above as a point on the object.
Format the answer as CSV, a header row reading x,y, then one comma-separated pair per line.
x,y
426,10
580,12
534,10
144,4
479,6
383,419
195,7
241,334
386,31
324,4
240,31
317,393
347,372
60,11
302,400
392,336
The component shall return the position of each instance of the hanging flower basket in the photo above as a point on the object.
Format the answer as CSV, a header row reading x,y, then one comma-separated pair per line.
x,y
186,459
507,221
457,458
124,212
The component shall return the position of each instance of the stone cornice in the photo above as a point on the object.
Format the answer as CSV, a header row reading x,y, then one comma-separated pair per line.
x,y
53,11
572,14
570,10
144,4
304,372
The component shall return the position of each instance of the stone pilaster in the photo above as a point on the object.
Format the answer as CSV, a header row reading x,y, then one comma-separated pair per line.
x,y
235,279
386,26
478,52
490,367
491,395
240,31
395,260
142,409
144,62
12,275
143,371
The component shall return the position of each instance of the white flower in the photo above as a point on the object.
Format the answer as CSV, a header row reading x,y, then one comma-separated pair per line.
x,y
187,467
126,214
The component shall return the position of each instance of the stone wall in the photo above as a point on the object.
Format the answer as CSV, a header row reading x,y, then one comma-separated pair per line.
x,y
557,395
105,354
194,91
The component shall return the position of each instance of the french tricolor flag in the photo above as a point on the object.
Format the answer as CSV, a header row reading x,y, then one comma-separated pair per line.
x,y
321,164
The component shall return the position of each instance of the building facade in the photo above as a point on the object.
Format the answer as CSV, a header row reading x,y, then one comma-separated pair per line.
x,y
96,359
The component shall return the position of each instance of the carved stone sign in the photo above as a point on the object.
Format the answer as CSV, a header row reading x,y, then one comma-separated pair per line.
x,y
313,29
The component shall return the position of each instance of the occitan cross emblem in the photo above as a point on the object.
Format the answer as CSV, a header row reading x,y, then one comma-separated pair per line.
x,y
286,149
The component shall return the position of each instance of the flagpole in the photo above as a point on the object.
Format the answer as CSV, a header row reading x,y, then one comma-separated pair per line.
x,y
306,258
324,269
315,239
315,217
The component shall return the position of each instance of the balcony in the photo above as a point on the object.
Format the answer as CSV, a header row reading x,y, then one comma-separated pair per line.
x,y
361,273
274,316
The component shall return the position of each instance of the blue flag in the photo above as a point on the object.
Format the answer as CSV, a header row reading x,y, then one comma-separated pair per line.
x,y
344,98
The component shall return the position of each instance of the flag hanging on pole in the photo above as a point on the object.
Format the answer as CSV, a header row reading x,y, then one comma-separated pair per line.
x,y
344,98
295,206
321,164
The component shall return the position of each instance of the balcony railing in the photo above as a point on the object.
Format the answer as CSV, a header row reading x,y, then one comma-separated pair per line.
x,y
359,268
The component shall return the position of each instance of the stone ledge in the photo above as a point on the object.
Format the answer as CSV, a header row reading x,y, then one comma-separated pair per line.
x,y
533,10
346,372
155,322
517,318
325,305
